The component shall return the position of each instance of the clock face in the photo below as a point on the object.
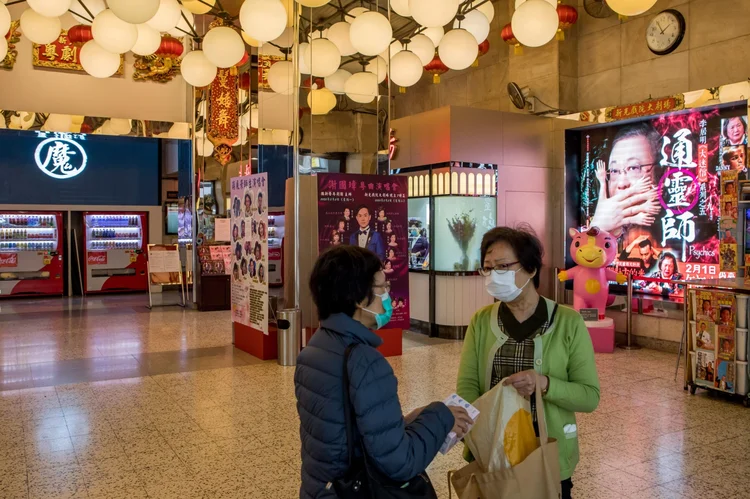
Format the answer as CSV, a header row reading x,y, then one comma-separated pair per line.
x,y
665,32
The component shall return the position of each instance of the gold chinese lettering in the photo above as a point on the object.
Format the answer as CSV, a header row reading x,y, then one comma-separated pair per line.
x,y
223,119
69,53
224,100
223,76
50,52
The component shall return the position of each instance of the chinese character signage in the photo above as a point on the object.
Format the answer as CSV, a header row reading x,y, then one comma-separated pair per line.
x,y
648,108
61,156
264,64
664,187
249,243
369,211
62,54
223,120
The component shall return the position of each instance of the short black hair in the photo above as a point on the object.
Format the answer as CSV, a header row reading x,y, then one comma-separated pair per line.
x,y
362,207
342,278
643,129
644,243
524,243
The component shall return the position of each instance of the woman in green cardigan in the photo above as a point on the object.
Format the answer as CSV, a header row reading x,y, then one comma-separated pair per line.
x,y
526,340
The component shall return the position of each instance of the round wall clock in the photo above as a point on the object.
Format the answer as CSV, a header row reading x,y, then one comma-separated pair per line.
x,y
665,32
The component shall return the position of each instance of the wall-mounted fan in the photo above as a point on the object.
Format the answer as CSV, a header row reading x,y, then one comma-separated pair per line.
x,y
520,97
597,8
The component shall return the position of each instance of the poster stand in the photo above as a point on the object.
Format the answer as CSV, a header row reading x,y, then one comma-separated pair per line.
x,y
165,269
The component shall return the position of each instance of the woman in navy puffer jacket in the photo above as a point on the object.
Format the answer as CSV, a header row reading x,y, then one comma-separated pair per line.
x,y
351,293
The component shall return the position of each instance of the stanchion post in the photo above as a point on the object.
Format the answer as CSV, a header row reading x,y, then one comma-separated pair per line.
x,y
629,317
556,282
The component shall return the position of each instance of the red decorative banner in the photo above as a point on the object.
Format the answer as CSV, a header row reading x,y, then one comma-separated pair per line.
x,y
62,54
647,108
224,120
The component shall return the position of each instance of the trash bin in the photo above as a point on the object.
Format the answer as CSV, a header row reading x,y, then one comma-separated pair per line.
x,y
289,336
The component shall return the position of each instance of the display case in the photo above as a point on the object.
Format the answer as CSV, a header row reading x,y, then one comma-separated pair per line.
x,y
31,253
115,248
419,233
276,222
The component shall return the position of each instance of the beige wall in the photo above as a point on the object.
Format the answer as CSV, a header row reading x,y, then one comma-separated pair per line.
x,y
26,88
602,62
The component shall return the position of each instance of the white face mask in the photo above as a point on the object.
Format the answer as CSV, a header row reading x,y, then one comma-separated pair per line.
x,y
503,286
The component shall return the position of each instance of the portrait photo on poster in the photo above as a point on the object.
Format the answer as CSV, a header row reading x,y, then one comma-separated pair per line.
x,y
667,188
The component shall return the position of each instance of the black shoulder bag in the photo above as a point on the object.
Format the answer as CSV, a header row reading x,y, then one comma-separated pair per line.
x,y
363,481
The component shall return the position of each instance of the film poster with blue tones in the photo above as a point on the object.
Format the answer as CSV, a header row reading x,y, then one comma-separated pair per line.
x,y
249,242
370,211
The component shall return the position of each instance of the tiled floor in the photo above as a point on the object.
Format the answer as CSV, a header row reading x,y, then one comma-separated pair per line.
x,y
232,431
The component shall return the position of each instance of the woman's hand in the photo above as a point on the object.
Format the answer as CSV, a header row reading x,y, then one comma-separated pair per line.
x,y
409,418
462,421
525,382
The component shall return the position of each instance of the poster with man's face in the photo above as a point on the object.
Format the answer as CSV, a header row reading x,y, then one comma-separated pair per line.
x,y
655,184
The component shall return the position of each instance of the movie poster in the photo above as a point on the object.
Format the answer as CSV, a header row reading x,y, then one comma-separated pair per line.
x,y
249,263
369,211
656,184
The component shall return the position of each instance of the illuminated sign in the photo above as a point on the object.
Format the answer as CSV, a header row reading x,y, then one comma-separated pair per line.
x,y
60,157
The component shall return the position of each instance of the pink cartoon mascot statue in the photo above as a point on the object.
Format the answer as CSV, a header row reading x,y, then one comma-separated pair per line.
x,y
593,250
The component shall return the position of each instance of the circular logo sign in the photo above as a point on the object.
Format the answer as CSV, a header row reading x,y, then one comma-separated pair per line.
x,y
60,158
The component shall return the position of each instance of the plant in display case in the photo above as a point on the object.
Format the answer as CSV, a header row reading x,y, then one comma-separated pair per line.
x,y
462,227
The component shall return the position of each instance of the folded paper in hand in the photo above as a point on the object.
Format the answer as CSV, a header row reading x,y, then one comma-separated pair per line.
x,y
455,400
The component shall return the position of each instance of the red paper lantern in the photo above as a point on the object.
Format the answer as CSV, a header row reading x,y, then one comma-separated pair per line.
x,y
309,82
243,61
436,68
484,47
510,39
170,47
80,34
568,15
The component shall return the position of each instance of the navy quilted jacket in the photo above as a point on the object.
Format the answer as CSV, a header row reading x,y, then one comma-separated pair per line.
x,y
398,450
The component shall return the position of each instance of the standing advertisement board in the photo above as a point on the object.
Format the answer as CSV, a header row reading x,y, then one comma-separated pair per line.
x,y
249,244
369,211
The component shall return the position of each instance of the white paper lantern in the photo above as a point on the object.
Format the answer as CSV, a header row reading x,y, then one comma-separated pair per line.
x,y
148,41
250,40
204,148
401,7
371,33
50,8
281,77
167,16
313,3
630,7
433,13
286,39
4,20
321,101
223,46
98,62
121,126
113,34
378,67
362,87
3,48
534,23
337,81
183,28
435,34
179,131
475,23
197,70
134,11
250,118
406,69
39,29
198,6
354,13
486,8
82,16
322,57
423,47
339,34
394,49
264,20
458,49
551,2
58,123
242,136
304,61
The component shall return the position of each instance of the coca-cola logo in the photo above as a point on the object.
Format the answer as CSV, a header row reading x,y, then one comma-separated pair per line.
x,y
97,258
274,253
9,260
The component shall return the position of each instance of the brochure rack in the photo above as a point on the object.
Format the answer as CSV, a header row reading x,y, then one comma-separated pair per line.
x,y
716,338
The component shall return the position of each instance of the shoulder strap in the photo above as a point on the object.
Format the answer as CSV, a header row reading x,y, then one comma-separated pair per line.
x,y
348,416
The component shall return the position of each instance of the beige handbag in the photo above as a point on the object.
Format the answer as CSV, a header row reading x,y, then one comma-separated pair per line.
x,y
536,477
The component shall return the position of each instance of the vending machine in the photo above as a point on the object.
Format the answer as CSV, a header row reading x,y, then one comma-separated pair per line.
x,y
115,252
276,247
31,253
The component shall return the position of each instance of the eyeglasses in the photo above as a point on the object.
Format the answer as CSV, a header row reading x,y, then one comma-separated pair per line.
x,y
498,269
630,171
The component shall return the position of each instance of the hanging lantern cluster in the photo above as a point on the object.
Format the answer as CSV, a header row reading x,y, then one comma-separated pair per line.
x,y
536,22
567,16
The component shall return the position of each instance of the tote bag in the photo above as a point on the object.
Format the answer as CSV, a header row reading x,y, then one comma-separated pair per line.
x,y
536,477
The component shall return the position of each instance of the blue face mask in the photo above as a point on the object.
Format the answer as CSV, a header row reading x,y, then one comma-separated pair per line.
x,y
385,317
